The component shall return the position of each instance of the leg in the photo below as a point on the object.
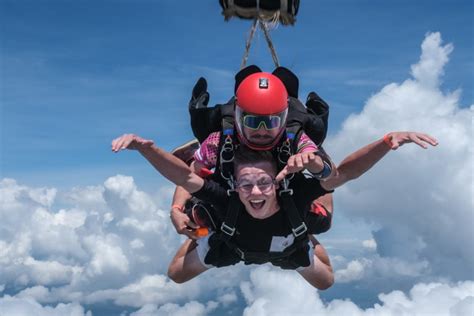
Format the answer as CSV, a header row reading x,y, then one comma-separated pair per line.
x,y
186,264
319,274
326,201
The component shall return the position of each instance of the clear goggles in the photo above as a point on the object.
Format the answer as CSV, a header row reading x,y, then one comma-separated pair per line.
x,y
255,122
264,184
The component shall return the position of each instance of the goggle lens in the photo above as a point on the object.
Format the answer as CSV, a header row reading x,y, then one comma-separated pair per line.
x,y
255,122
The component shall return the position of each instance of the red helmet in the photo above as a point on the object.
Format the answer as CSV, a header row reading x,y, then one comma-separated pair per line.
x,y
261,108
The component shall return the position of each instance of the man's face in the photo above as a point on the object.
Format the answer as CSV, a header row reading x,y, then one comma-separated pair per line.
x,y
260,136
256,188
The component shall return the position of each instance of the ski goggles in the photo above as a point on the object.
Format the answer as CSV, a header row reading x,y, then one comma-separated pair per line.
x,y
264,184
255,122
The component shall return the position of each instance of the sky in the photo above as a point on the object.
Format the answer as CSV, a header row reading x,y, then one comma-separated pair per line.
x,y
84,231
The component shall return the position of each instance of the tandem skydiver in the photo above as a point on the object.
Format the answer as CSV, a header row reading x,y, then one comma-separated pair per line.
x,y
265,232
283,240
268,116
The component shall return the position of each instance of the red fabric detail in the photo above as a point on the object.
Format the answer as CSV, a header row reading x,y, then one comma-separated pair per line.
x,y
318,209
204,173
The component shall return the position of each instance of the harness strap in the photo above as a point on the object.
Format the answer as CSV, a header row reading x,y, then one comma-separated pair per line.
x,y
226,163
228,225
271,256
298,226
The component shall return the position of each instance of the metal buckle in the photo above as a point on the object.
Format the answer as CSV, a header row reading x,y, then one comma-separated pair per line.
x,y
285,184
227,148
289,191
300,230
240,253
226,229
285,149
231,184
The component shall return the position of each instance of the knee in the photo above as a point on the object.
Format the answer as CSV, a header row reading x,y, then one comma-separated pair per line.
x,y
176,275
326,283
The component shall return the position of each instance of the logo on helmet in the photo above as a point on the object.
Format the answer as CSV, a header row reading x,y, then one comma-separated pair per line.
x,y
263,83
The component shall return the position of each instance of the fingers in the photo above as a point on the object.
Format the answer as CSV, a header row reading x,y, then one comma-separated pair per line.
x,y
128,141
295,163
427,138
183,224
395,144
191,234
122,142
191,225
414,138
401,138
282,174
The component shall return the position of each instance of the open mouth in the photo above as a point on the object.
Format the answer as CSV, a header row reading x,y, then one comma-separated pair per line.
x,y
257,204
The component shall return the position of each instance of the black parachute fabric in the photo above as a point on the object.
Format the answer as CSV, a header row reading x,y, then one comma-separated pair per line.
x,y
283,11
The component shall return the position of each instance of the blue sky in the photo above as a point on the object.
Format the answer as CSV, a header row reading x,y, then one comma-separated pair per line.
x,y
76,74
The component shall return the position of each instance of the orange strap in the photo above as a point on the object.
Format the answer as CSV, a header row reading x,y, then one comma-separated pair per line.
x,y
201,232
387,140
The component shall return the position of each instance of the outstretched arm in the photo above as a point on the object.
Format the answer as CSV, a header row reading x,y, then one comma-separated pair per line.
x,y
357,163
171,167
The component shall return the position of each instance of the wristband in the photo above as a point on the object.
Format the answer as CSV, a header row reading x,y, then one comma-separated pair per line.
x,y
387,140
179,207
326,172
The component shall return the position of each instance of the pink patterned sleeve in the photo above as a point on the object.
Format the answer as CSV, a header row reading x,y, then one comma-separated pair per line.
x,y
208,151
305,144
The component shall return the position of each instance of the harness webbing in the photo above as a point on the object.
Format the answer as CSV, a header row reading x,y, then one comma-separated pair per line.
x,y
263,26
247,44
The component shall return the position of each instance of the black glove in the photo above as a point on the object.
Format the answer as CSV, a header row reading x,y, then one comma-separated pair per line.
x,y
200,96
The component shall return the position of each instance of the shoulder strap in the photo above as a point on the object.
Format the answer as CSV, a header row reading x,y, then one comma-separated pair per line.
x,y
298,226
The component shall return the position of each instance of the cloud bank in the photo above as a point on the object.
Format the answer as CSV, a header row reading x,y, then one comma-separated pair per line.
x,y
420,200
267,294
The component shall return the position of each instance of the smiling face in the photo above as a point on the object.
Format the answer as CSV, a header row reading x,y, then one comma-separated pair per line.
x,y
256,189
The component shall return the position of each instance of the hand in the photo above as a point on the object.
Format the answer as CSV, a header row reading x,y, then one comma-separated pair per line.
x,y
200,96
130,141
183,224
398,139
301,161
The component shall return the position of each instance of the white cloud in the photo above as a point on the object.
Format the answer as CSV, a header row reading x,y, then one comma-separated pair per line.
x,y
27,306
417,198
106,254
353,271
369,244
276,292
430,68
228,298
191,308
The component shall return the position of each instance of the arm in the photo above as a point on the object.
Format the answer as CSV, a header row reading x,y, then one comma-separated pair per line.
x,y
165,163
185,264
357,163
310,161
181,222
